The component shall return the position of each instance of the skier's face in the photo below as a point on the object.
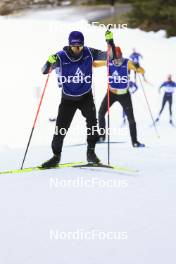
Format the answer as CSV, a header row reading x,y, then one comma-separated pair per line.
x,y
118,61
76,49
169,78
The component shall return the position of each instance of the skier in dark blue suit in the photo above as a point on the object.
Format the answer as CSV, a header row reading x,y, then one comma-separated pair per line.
x,y
169,88
135,58
73,66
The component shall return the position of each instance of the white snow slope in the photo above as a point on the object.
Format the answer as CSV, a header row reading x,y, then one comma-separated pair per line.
x,y
36,214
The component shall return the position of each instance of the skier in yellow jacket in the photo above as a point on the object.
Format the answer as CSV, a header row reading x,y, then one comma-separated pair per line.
x,y
119,68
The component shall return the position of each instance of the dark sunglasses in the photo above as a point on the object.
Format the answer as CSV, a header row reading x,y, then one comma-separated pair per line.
x,y
75,48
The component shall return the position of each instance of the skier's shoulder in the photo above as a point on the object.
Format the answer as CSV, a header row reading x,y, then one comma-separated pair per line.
x,y
137,54
126,60
131,65
168,83
64,51
173,84
97,54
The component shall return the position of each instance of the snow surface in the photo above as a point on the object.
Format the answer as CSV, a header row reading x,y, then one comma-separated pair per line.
x,y
142,205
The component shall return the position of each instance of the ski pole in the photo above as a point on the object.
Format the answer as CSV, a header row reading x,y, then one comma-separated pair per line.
x,y
108,90
35,120
149,108
108,103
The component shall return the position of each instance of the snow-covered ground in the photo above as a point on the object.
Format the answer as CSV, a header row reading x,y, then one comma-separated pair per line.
x,y
140,207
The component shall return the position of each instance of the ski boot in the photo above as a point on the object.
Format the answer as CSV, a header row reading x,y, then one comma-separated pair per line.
x,y
137,144
51,163
92,157
52,119
171,122
157,120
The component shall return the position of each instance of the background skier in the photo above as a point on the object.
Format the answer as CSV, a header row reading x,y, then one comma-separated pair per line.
x,y
119,91
135,58
168,87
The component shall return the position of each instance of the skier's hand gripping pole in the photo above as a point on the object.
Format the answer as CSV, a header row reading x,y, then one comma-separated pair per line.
x,y
110,41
